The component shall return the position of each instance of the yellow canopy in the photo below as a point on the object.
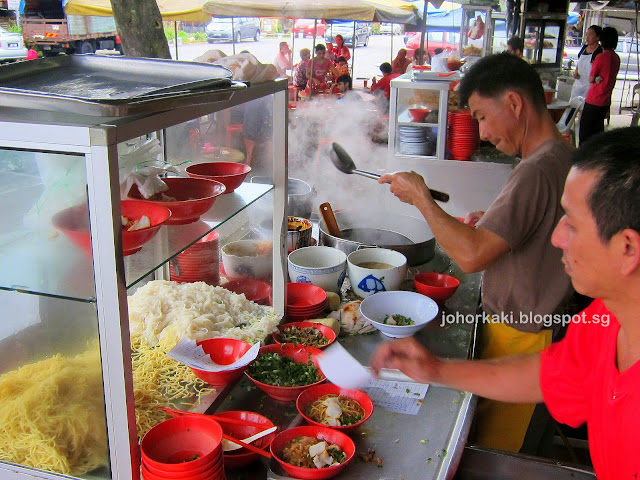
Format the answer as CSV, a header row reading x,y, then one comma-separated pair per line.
x,y
363,10
171,10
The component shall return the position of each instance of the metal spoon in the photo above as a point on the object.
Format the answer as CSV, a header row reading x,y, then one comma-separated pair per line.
x,y
343,162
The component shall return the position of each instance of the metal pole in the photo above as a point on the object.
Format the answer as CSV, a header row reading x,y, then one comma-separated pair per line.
x,y
175,32
313,53
354,43
392,41
425,15
233,35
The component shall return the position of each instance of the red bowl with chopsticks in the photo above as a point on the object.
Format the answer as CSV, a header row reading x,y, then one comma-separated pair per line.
x,y
297,353
223,351
321,433
182,444
242,457
312,394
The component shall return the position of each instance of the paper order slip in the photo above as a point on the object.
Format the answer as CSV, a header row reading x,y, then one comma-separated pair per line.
x,y
398,396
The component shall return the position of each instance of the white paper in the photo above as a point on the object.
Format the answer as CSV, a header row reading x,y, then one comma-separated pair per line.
x,y
192,355
399,397
342,369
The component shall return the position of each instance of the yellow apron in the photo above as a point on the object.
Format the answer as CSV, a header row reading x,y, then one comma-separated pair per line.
x,y
501,425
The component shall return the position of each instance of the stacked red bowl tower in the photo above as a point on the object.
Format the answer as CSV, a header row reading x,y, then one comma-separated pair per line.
x,y
198,263
463,137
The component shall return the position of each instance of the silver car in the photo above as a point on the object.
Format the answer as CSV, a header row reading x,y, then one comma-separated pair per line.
x,y
220,29
11,46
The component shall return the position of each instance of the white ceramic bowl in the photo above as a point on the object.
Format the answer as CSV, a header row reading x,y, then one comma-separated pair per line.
x,y
248,258
412,305
325,267
366,279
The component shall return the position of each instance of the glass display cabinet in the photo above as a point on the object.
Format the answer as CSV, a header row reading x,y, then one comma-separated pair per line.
x,y
418,116
65,349
543,27
475,31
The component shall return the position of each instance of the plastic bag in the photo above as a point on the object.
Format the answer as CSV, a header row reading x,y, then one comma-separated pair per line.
x,y
140,164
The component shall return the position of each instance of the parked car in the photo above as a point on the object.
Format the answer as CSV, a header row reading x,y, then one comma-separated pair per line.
x,y
387,28
345,28
448,41
11,46
220,29
305,26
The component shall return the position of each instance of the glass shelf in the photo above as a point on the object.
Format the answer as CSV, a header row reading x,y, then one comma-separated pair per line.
x,y
50,265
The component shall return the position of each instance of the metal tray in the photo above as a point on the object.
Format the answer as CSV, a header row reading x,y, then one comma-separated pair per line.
x,y
108,79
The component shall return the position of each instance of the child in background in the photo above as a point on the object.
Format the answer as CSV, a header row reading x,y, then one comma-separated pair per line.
x,y
31,53
342,66
330,54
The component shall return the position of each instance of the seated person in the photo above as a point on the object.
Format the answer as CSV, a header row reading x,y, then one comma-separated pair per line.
x,y
330,55
384,84
321,66
439,61
283,60
341,50
401,62
300,78
419,57
344,83
342,66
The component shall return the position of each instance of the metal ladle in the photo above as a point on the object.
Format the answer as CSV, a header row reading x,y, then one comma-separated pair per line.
x,y
343,162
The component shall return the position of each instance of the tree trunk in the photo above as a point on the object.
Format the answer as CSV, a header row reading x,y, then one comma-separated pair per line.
x,y
140,28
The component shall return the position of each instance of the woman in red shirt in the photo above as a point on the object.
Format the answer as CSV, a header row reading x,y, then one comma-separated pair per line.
x,y
602,78
341,50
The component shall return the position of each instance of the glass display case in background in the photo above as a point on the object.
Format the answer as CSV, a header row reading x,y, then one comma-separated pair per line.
x,y
499,28
543,36
475,31
65,351
418,117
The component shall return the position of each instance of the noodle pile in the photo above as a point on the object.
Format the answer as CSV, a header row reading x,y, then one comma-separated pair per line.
x,y
296,452
52,414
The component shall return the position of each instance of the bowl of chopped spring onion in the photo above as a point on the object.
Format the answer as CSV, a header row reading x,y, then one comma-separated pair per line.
x,y
284,370
398,313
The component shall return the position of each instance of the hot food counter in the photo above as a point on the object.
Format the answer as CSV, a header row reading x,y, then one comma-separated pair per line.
x,y
427,445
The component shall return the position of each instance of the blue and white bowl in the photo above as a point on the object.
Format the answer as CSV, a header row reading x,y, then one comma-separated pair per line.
x,y
373,270
324,267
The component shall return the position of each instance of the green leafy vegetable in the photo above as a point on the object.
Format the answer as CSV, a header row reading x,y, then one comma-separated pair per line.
x,y
275,369
397,319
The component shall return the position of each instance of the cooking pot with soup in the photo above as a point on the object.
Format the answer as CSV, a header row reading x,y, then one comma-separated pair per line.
x,y
299,196
408,235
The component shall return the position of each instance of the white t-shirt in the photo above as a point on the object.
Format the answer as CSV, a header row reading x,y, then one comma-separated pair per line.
x,y
439,63
282,64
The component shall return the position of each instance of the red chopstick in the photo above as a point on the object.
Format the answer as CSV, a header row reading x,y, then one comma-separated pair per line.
x,y
248,446
174,412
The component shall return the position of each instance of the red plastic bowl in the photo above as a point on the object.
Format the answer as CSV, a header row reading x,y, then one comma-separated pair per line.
x,y
299,354
193,197
74,223
253,289
419,114
241,457
301,296
212,470
326,332
436,286
169,445
311,394
222,351
230,174
323,433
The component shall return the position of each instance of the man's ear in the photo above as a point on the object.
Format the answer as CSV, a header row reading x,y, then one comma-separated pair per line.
x,y
630,242
514,101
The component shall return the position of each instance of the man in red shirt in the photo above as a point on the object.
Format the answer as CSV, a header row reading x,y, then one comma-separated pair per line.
x,y
592,376
384,84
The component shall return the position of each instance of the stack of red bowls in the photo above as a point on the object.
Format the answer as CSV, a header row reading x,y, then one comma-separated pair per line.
x,y
463,138
186,448
304,301
198,263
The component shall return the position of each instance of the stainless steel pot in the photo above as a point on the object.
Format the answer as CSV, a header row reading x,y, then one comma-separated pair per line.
x,y
299,196
408,235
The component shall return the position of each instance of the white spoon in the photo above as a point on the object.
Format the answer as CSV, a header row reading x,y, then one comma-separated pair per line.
x,y
229,446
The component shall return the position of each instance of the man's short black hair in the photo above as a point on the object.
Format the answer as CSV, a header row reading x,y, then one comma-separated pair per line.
x,y
516,43
614,200
320,47
438,51
493,75
386,68
346,78
609,38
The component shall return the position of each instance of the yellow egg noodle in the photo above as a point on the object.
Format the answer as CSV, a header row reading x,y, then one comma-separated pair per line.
x,y
52,414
